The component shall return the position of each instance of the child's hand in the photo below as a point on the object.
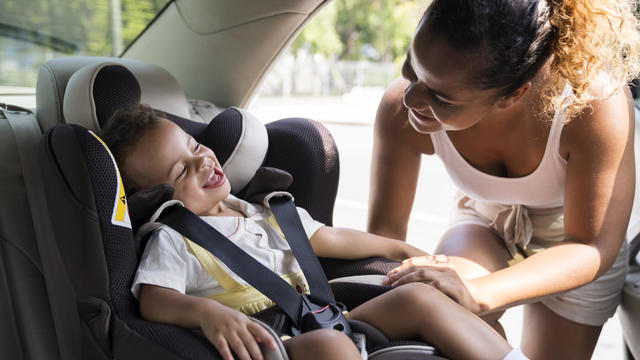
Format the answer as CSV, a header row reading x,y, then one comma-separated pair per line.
x,y
230,329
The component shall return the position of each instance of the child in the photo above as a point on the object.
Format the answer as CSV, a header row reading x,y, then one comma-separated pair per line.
x,y
176,282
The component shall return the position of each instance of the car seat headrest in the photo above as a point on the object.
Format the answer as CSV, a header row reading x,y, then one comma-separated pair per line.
x,y
158,87
239,139
96,91
240,142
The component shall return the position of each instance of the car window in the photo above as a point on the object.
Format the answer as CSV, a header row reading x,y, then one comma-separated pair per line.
x,y
34,31
344,58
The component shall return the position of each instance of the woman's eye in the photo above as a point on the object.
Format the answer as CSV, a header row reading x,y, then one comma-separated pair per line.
x,y
407,72
197,147
440,102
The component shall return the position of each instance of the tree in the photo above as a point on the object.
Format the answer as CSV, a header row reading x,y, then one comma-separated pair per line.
x,y
378,30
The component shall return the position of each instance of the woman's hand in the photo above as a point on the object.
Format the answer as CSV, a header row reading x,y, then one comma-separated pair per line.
x,y
407,251
230,329
440,272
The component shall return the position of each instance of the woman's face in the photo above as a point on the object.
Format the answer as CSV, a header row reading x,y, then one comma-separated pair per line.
x,y
440,94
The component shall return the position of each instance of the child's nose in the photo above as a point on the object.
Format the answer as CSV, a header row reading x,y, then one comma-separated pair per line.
x,y
202,163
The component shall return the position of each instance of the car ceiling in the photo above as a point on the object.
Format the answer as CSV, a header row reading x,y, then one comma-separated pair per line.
x,y
219,50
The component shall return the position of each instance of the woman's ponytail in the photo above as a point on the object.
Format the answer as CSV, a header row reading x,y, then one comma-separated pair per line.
x,y
596,50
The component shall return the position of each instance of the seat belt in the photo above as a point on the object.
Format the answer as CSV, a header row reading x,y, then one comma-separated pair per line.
x,y
28,134
287,216
305,314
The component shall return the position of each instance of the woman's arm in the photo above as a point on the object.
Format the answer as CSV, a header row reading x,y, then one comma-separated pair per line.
x,y
341,243
395,164
224,327
599,188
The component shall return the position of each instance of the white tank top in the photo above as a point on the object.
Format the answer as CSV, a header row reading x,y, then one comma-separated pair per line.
x,y
542,188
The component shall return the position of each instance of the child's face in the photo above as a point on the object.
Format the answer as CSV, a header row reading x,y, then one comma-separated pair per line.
x,y
167,155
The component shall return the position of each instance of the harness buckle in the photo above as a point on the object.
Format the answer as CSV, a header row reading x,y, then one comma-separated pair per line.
x,y
315,317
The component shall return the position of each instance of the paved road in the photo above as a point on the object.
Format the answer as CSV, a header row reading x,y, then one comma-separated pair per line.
x,y
349,120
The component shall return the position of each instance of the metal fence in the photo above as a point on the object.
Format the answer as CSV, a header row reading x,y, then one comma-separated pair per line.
x,y
314,75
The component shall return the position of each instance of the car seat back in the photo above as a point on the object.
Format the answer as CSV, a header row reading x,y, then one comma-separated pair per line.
x,y
95,245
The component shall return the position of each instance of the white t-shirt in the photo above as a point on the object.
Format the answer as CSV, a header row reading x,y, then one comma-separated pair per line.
x,y
167,262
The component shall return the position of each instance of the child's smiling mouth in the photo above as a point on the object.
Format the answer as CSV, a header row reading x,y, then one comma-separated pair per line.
x,y
216,178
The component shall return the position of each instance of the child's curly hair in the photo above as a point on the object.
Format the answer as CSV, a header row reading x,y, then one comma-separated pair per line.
x,y
583,42
122,132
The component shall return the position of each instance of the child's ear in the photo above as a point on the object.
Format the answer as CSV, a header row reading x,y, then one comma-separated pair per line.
x,y
144,203
513,97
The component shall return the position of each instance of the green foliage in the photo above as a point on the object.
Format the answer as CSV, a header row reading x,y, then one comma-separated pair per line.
x,y
33,31
85,23
378,30
320,36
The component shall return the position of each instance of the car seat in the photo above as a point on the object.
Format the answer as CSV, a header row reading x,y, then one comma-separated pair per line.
x,y
629,309
98,252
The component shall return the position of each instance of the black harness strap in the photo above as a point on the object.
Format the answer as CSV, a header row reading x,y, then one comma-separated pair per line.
x,y
241,263
287,216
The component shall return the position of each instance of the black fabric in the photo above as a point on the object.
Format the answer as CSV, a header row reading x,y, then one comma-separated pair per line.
x,y
223,134
305,149
115,88
416,356
266,180
354,294
336,268
99,257
144,203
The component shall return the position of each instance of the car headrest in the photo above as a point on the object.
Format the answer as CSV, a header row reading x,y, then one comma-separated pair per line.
x,y
239,139
158,88
96,91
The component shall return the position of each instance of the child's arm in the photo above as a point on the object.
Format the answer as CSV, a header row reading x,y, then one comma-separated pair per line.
x,y
344,243
224,327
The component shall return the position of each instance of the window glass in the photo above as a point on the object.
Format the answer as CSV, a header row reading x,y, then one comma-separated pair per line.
x,y
34,31
338,67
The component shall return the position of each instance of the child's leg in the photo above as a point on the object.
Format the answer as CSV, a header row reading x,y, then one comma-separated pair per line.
x,y
419,310
322,344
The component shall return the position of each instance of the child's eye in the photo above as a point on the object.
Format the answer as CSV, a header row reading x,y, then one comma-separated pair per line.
x,y
184,170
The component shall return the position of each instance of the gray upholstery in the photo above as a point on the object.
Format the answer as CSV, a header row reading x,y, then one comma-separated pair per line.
x,y
26,325
159,89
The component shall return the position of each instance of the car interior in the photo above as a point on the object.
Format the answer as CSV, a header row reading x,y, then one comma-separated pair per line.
x,y
66,268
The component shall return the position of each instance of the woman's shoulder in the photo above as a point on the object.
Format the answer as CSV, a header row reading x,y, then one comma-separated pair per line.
x,y
392,121
604,122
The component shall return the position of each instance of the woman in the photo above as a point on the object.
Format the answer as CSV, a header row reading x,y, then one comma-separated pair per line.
x,y
526,103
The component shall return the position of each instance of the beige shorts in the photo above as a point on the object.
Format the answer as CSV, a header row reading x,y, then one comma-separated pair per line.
x,y
526,231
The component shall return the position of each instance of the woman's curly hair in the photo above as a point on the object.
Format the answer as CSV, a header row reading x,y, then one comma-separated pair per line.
x,y
592,45
597,50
